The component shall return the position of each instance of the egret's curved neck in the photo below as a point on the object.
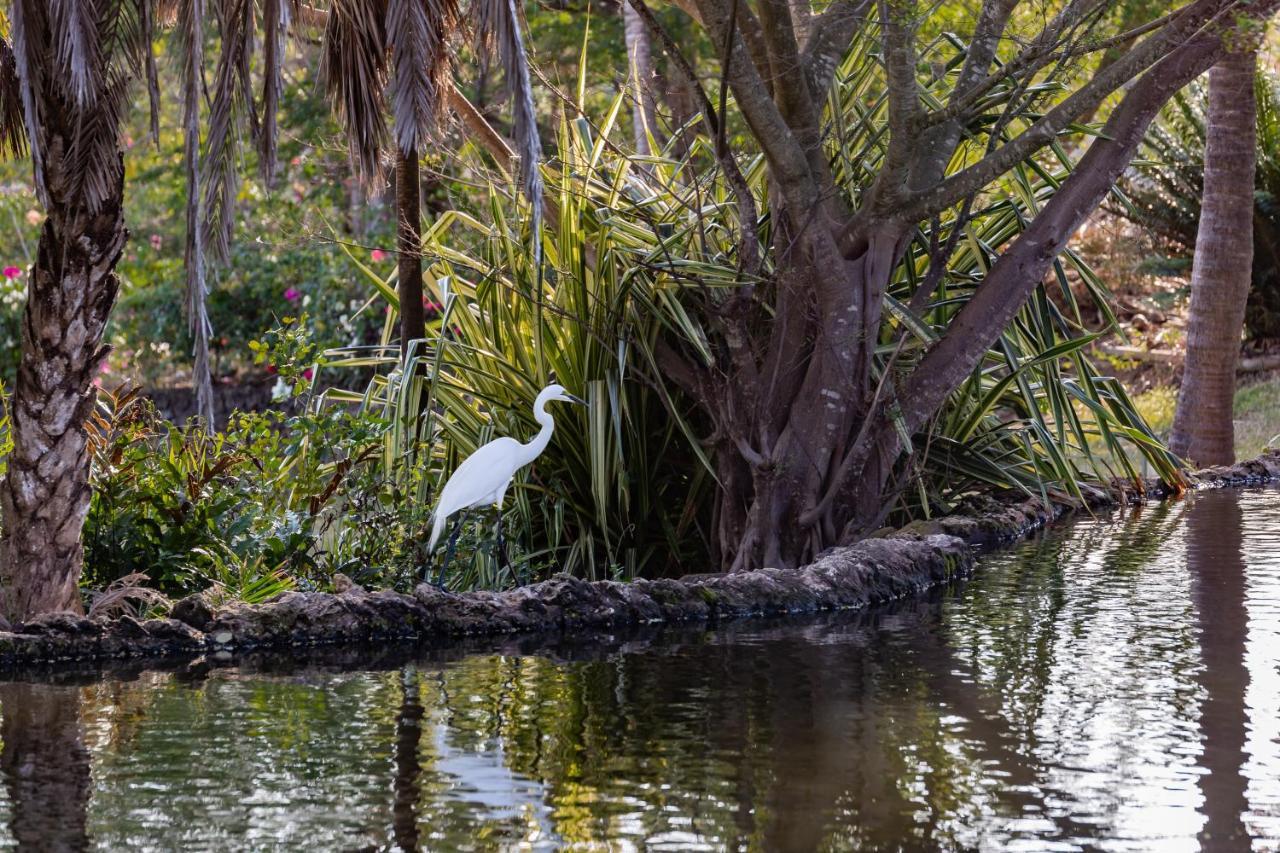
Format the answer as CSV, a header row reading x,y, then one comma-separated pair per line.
x,y
534,447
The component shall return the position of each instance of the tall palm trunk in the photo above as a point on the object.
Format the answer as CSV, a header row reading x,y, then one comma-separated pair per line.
x,y
409,248
1202,427
45,496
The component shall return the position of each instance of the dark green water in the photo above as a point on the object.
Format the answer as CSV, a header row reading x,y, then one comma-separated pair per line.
x,y
1115,685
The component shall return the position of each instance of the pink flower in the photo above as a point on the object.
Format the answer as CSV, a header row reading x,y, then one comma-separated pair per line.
x,y
156,241
378,255
431,309
105,368
12,272
292,294
306,374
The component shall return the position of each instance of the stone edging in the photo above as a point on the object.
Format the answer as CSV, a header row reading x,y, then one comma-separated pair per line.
x,y
905,562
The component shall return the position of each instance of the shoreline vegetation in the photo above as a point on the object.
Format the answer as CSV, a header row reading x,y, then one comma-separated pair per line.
x,y
877,570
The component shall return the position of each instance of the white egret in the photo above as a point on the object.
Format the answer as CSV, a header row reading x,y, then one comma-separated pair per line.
x,y
483,477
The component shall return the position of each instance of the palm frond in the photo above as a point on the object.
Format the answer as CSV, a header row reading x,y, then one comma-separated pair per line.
x,y
13,131
353,63
497,26
146,13
29,25
190,37
76,57
417,34
235,19
275,24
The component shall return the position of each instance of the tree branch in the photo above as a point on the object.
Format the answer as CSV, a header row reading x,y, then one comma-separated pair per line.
x,y
923,203
1020,268
785,153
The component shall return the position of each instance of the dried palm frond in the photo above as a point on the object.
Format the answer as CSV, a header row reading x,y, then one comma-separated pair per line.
x,y
190,38
127,595
13,131
417,34
76,58
352,74
29,24
93,161
275,23
147,15
235,19
497,26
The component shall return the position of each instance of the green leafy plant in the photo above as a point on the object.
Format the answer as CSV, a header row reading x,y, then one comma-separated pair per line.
x,y
249,506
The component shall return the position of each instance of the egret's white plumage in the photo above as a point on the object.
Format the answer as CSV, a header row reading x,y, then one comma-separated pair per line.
x,y
483,477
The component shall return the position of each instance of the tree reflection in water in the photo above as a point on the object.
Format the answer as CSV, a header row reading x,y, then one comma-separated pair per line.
x,y
1216,564
1087,690
45,766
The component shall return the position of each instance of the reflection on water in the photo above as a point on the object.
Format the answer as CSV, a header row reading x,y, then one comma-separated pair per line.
x,y
1112,686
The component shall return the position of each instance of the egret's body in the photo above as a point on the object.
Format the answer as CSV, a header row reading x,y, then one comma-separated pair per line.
x,y
483,477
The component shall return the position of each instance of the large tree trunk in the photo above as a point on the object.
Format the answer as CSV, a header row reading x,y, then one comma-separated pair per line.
x,y
1202,425
808,444
409,248
45,496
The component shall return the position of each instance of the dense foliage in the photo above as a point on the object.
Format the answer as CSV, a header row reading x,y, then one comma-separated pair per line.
x,y
641,258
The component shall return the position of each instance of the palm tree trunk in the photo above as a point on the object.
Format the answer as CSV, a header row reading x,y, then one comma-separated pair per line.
x,y
45,495
640,64
1202,427
409,249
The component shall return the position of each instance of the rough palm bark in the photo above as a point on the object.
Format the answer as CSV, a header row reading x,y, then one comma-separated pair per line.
x,y
409,249
1222,268
45,495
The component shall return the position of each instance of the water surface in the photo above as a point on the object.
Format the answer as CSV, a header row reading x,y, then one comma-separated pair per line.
x,y
1114,685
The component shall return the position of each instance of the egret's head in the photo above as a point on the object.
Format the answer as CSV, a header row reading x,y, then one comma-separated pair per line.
x,y
558,392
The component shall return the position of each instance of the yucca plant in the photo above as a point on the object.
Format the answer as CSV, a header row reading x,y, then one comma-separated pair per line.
x,y
621,490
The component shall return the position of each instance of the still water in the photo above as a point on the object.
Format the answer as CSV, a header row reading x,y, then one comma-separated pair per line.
x,y
1114,685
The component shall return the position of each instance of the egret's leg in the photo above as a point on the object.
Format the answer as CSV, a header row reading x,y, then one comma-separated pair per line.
x,y
503,559
449,549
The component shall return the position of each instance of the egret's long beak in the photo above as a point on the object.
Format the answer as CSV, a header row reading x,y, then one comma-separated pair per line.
x,y
572,399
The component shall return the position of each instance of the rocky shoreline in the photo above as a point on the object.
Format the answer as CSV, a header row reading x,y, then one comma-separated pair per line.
x,y
901,563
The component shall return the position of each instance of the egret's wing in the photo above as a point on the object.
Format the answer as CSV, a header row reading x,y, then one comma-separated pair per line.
x,y
480,476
